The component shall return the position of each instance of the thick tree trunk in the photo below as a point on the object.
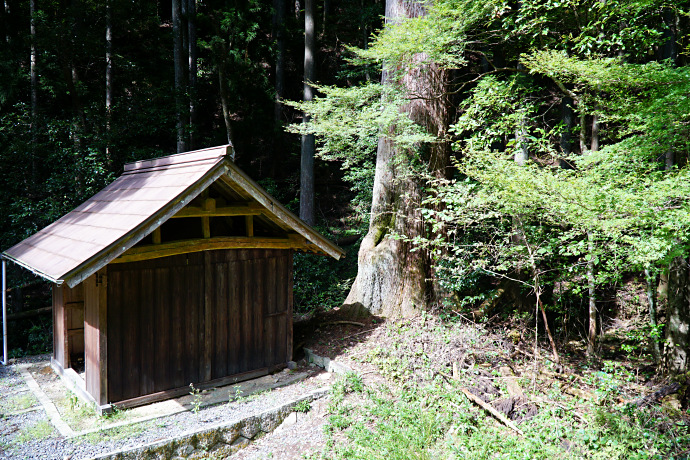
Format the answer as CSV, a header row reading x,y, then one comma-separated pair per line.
x,y
677,314
306,197
179,74
392,279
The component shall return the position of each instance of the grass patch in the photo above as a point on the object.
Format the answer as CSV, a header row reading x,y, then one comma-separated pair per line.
x,y
18,402
40,430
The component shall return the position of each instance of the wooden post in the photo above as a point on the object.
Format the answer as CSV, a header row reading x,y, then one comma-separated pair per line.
x,y
288,319
156,236
210,206
4,313
249,222
95,336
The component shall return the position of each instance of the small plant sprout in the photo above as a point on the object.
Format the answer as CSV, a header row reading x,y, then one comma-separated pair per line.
x,y
196,398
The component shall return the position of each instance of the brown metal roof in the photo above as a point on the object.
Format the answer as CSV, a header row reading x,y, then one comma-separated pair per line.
x,y
146,195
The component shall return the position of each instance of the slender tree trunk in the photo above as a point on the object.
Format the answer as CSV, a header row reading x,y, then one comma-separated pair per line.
x,y
595,133
178,59
591,276
108,80
652,281
391,277
677,314
306,198
279,36
568,121
33,77
224,100
670,47
192,55
522,152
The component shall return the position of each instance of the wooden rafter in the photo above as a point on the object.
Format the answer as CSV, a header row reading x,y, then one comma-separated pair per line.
x,y
155,251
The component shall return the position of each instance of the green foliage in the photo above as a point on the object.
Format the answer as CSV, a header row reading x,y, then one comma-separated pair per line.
x,y
303,406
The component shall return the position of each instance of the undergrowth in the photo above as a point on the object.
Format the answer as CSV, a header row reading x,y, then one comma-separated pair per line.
x,y
421,413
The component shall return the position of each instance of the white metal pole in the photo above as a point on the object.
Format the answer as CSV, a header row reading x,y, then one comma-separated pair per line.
x,y
4,312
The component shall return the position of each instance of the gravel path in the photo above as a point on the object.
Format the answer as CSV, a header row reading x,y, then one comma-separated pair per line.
x,y
30,435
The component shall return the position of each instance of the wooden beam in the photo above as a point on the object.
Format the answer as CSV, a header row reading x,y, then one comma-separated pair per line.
x,y
251,209
249,222
155,251
156,236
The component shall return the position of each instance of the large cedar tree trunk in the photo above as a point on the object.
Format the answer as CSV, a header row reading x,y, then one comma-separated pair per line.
x,y
392,279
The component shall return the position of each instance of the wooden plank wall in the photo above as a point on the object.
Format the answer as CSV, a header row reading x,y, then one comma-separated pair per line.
x,y
197,317
65,300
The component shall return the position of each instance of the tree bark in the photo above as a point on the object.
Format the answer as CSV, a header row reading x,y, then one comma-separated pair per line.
x,y
191,79
108,80
591,277
677,314
652,280
279,36
224,101
392,278
33,81
306,197
178,62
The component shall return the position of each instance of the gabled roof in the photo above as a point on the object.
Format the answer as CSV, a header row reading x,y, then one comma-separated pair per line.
x,y
146,195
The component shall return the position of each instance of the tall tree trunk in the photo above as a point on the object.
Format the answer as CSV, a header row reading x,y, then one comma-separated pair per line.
x,y
192,55
652,280
108,80
279,37
670,48
225,103
594,147
306,197
392,278
591,276
178,61
677,314
33,77
568,121
521,156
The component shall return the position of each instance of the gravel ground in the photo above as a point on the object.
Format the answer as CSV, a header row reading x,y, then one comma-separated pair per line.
x,y
294,442
31,436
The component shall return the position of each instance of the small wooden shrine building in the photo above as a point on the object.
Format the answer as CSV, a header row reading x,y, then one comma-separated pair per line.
x,y
178,272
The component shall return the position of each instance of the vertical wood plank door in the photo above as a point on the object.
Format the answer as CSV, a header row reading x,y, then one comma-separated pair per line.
x,y
196,317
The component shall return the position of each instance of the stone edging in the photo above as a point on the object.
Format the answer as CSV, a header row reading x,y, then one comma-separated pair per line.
x,y
328,364
220,440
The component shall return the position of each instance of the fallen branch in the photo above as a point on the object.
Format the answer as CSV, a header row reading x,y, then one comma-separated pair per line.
x,y
502,418
657,395
354,323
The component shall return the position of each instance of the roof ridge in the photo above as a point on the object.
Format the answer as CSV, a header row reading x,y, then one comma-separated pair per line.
x,y
194,156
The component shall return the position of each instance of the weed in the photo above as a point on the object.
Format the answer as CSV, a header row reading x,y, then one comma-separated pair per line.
x,y
196,398
303,406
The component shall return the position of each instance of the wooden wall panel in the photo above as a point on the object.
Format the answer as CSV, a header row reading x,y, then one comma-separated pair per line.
x,y
199,317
